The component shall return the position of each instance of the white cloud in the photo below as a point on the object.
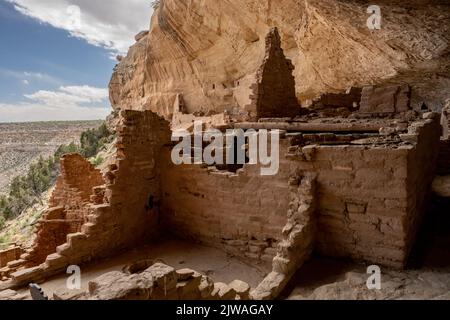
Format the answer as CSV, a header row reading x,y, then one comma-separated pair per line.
x,y
70,95
36,75
111,24
25,82
30,77
67,103
90,93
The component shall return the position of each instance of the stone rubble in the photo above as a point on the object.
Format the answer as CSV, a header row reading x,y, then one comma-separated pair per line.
x,y
158,282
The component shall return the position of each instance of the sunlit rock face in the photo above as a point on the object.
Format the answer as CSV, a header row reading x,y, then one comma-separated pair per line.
x,y
209,50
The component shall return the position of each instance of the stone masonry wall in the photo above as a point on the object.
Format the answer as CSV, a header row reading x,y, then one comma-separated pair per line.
x,y
299,236
445,121
121,213
75,184
381,100
444,150
69,207
422,167
266,218
362,195
9,255
52,232
68,211
274,91
370,197
131,183
244,212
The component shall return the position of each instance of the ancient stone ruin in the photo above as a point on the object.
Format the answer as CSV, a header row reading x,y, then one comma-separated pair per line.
x,y
273,94
354,181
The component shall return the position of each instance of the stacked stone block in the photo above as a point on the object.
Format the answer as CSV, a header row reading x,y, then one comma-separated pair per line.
x,y
385,100
298,240
243,212
116,215
273,94
370,198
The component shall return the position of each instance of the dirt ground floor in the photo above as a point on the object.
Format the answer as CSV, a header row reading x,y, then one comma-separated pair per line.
x,y
218,265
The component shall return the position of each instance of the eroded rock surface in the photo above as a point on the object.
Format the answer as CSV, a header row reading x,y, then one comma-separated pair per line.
x,y
11,295
415,285
208,51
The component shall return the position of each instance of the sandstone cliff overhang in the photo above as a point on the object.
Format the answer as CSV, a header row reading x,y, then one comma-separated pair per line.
x,y
209,51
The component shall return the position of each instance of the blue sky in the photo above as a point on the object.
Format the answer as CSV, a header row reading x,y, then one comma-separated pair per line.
x,y
51,70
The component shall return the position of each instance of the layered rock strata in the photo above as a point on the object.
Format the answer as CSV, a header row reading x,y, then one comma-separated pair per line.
x,y
209,51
